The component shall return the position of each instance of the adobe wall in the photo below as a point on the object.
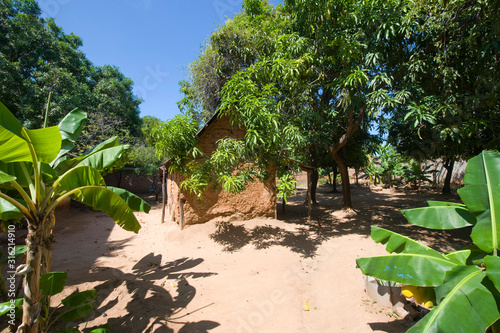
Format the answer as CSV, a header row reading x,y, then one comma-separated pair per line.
x,y
257,200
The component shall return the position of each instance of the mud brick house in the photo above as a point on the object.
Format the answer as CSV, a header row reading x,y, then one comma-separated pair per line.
x,y
258,200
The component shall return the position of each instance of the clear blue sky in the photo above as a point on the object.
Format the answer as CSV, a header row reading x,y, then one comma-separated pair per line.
x,y
151,41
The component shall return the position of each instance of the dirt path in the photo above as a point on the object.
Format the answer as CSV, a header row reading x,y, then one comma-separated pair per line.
x,y
252,276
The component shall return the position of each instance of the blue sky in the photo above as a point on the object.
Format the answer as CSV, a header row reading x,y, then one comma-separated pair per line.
x,y
151,41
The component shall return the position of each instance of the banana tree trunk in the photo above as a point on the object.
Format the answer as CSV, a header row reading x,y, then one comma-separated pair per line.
x,y
32,296
47,241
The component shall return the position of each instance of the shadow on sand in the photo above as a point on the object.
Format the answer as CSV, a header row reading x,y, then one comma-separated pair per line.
x,y
329,221
150,297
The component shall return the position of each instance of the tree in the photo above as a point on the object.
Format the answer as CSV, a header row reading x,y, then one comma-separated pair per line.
x,y
38,58
236,45
448,68
315,77
36,175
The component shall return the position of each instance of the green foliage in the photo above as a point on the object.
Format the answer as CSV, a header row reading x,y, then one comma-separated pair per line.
x,y
176,140
38,58
144,160
414,172
446,63
285,187
76,306
386,165
467,282
228,166
35,179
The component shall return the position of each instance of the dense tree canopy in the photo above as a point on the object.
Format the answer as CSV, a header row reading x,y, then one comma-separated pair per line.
x,y
37,57
306,77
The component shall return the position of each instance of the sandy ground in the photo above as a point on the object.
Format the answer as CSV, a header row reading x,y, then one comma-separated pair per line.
x,y
251,276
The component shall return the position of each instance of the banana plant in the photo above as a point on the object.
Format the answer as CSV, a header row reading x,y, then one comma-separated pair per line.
x,y
36,175
466,282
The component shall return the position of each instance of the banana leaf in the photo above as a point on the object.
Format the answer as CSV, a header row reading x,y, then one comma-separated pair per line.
x,y
396,243
133,201
442,217
79,298
5,178
482,198
53,283
15,140
70,127
492,264
465,304
106,158
6,306
459,257
413,263
8,211
107,154
103,199
79,177
77,313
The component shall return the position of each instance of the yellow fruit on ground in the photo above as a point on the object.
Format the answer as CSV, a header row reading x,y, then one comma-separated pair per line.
x,y
421,295
407,291
428,304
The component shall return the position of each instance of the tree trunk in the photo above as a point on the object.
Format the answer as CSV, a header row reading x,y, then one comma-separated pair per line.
x,y
344,174
314,174
47,241
448,165
32,296
334,180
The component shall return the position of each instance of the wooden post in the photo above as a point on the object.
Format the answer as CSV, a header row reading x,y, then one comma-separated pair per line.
x,y
309,199
163,194
181,212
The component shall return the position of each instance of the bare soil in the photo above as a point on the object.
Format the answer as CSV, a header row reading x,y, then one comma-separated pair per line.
x,y
248,276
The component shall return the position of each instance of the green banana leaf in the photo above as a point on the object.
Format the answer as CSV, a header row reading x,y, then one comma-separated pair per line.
x,y
459,257
8,211
10,124
421,270
79,177
77,313
16,169
53,283
45,141
5,177
100,329
441,217
414,263
133,201
105,157
103,199
5,307
492,264
70,127
109,143
15,140
469,306
80,298
396,243
482,198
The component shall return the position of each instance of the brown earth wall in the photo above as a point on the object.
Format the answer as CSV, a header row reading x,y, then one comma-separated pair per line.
x,y
257,200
